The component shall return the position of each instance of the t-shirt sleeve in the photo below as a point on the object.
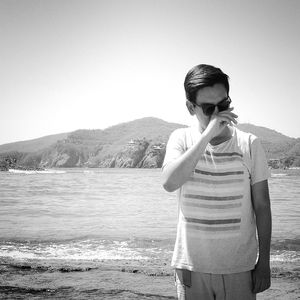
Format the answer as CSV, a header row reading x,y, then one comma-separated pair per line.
x,y
175,146
259,165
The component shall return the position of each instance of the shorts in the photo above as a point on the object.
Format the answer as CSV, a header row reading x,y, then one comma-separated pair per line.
x,y
198,286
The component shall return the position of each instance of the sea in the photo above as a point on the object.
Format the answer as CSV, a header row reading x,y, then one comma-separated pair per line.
x,y
109,233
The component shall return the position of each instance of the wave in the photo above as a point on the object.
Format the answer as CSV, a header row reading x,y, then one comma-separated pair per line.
x,y
278,174
90,249
30,172
16,292
44,268
106,249
132,241
82,255
286,256
159,269
286,244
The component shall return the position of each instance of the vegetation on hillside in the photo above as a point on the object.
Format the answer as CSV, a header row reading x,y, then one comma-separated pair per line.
x,y
140,143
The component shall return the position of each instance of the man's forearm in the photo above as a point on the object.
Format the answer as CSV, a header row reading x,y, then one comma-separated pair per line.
x,y
264,231
261,275
262,209
177,173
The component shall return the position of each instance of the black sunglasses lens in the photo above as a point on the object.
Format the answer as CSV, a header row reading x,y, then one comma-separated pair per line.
x,y
224,105
208,109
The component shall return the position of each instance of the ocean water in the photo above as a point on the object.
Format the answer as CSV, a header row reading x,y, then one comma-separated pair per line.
x,y
83,233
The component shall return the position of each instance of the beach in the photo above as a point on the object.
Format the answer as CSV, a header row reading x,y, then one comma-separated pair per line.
x,y
123,279
93,234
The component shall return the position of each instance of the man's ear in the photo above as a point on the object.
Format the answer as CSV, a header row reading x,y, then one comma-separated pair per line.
x,y
190,106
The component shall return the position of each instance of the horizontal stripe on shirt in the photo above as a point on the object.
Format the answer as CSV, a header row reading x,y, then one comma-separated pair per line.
x,y
223,154
218,173
203,197
213,206
213,229
212,222
214,160
211,181
229,166
213,189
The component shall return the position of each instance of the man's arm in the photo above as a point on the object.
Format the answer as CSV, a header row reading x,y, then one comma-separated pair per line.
x,y
177,172
261,203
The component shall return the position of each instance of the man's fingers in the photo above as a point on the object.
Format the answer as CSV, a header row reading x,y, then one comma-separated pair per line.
x,y
228,119
231,117
227,113
253,282
265,284
257,287
260,285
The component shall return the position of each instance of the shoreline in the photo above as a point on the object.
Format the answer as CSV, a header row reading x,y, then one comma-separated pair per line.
x,y
121,279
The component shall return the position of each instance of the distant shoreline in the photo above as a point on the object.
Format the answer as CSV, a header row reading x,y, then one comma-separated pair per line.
x,y
20,168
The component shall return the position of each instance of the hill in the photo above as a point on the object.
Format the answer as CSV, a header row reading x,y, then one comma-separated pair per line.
x,y
34,144
275,144
139,143
264,133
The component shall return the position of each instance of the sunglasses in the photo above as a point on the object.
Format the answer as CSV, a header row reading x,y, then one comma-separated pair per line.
x,y
209,108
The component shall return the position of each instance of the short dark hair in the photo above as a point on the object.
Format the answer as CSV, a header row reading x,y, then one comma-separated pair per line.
x,y
202,76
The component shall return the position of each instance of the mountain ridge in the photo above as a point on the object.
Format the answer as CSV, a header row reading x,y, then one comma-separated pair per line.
x,y
138,143
32,144
39,143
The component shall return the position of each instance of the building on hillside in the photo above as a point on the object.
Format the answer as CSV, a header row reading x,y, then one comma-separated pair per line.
x,y
274,163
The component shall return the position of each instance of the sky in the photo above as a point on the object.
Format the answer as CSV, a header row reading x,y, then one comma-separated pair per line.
x,y
70,64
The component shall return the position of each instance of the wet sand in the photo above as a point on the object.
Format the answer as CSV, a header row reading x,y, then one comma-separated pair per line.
x,y
158,283
121,280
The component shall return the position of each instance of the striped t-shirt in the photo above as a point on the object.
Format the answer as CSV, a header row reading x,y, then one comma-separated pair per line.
x,y
216,230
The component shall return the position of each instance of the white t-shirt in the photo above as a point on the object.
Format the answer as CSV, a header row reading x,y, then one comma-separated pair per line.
x,y
216,231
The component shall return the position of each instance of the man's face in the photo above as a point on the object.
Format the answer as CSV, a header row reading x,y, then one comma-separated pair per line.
x,y
211,94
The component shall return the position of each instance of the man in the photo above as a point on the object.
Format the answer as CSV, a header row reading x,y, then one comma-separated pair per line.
x,y
221,176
